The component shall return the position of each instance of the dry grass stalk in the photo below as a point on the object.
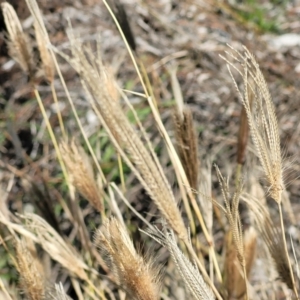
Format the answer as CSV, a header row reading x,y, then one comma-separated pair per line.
x,y
135,274
47,62
32,281
265,134
56,247
189,272
128,143
262,122
234,278
186,140
178,168
19,45
81,173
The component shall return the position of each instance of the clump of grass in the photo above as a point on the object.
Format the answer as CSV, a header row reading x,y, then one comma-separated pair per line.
x,y
265,134
127,272
105,101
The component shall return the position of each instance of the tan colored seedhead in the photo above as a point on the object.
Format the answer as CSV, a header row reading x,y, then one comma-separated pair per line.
x,y
135,274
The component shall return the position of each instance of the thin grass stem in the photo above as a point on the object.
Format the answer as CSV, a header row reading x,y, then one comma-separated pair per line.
x,y
51,133
58,112
128,47
77,117
246,281
203,271
286,250
121,171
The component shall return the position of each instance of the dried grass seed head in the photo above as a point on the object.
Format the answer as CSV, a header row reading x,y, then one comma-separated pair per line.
x,y
19,45
81,172
187,145
189,272
262,120
32,281
136,275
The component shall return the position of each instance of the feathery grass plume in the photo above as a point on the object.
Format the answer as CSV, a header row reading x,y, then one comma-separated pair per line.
x,y
262,122
19,45
189,272
234,279
135,274
32,281
55,246
187,144
101,91
265,134
81,173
